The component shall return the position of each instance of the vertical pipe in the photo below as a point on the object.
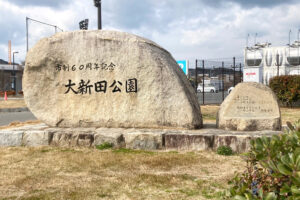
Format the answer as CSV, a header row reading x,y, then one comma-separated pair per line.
x,y
203,81
55,28
223,80
26,33
233,71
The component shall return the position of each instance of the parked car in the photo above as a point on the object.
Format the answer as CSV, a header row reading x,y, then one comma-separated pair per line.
x,y
230,89
207,88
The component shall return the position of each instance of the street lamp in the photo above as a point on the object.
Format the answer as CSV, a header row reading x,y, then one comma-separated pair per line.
x,y
98,5
84,24
14,74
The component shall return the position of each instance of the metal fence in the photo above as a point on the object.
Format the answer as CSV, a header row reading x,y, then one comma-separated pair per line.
x,y
213,79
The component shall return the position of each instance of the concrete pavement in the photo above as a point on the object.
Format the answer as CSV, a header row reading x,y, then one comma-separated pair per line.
x,y
8,117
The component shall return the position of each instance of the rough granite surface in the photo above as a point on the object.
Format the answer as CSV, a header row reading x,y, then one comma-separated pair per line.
x,y
250,107
107,79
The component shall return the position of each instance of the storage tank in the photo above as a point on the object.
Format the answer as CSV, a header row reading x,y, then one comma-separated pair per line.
x,y
268,57
254,57
292,55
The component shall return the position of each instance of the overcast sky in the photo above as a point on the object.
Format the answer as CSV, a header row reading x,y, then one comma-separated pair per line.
x,y
188,29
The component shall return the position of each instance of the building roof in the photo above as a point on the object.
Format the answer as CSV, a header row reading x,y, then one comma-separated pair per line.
x,y
3,62
5,66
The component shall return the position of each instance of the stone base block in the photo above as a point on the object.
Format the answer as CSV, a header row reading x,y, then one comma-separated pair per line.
x,y
188,141
10,138
145,139
36,138
113,136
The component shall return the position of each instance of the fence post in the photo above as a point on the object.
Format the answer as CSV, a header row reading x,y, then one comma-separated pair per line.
x,y
240,72
223,80
233,71
196,76
203,81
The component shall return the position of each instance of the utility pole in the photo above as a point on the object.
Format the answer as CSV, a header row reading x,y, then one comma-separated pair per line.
x,y
27,34
14,73
196,75
223,80
203,81
233,71
240,72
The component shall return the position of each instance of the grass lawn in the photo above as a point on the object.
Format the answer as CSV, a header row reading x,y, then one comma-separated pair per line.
x,y
209,113
88,173
12,103
70,173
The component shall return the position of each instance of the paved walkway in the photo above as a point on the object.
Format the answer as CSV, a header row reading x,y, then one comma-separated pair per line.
x,y
8,117
12,98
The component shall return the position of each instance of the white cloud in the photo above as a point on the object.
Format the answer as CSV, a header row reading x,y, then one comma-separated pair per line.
x,y
188,29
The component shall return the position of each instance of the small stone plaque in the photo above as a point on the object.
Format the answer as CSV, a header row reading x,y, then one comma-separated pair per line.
x,y
251,107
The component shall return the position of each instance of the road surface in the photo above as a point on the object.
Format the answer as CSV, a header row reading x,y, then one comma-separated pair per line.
x,y
211,98
8,117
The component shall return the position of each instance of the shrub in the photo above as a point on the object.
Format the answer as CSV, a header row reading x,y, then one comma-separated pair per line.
x,y
273,168
286,88
224,150
105,145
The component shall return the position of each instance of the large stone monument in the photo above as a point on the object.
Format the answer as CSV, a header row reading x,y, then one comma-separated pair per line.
x,y
107,79
250,107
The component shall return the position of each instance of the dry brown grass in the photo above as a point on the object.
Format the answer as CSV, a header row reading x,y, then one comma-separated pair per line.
x,y
289,114
209,113
60,173
19,124
12,103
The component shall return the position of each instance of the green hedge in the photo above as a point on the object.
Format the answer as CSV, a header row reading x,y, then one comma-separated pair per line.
x,y
287,88
273,169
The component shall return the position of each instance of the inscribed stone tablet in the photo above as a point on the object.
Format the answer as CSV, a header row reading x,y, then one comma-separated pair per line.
x,y
107,79
250,107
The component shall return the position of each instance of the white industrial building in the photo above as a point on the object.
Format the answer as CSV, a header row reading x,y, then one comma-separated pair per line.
x,y
263,62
